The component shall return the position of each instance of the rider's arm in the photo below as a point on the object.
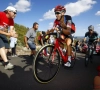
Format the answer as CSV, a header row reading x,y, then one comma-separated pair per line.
x,y
50,31
97,36
67,30
86,34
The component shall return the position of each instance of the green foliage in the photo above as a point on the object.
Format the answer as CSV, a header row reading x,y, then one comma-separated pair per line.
x,y
21,30
38,33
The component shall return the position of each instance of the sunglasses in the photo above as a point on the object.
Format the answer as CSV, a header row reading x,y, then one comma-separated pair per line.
x,y
57,12
14,12
90,30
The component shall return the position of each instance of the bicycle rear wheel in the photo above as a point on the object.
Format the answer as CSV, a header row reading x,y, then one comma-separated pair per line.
x,y
46,64
73,59
91,56
87,57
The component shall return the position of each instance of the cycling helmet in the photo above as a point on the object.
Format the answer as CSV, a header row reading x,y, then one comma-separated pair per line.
x,y
11,8
60,8
91,27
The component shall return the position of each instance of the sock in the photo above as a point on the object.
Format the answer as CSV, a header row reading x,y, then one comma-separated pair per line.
x,y
69,58
5,63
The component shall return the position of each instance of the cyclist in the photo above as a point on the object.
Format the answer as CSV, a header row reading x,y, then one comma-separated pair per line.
x,y
92,35
65,30
6,20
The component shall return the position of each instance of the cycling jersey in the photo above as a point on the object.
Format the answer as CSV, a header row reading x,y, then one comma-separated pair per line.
x,y
92,37
68,24
5,21
57,23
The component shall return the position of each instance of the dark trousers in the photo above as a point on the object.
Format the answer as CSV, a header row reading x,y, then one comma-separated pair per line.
x,y
14,50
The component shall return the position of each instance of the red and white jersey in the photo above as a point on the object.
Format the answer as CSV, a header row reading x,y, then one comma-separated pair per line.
x,y
57,23
5,22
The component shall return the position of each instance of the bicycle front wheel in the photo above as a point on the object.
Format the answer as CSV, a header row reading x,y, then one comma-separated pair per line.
x,y
87,58
46,64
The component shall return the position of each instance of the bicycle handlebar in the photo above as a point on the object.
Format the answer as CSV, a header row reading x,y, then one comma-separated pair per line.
x,y
55,33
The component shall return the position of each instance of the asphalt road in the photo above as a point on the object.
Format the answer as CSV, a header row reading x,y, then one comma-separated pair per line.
x,y
21,77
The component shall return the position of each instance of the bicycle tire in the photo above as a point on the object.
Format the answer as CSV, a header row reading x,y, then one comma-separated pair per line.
x,y
87,57
36,64
91,56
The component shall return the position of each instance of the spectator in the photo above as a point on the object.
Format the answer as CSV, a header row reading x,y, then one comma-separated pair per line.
x,y
6,20
77,45
13,43
43,38
30,38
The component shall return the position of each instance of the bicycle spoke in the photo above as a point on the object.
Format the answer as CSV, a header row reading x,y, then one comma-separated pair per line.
x,y
46,68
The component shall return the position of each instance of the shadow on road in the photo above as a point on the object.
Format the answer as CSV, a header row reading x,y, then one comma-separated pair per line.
x,y
26,58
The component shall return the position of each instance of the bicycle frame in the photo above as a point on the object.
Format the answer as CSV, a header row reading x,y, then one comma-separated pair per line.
x,y
57,46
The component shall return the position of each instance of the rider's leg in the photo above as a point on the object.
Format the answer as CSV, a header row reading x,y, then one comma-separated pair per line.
x,y
94,50
95,45
69,51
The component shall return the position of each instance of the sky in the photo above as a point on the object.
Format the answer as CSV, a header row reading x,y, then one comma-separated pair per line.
x,y
83,12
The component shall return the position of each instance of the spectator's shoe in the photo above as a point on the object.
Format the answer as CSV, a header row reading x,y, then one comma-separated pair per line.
x,y
9,66
1,63
15,55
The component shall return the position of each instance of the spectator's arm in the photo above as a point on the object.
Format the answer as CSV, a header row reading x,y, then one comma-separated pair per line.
x,y
25,40
5,33
11,28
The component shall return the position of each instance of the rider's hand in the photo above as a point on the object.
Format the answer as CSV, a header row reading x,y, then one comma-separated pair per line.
x,y
97,40
55,28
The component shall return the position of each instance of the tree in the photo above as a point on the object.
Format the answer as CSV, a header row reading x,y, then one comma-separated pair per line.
x,y
21,30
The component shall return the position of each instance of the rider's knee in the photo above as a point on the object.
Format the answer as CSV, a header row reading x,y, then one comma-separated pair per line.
x,y
68,42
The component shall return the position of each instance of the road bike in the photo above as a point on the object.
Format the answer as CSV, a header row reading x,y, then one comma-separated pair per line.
x,y
49,59
89,53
